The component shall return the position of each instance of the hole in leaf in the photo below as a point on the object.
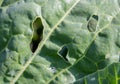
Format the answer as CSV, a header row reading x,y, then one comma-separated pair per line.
x,y
37,34
53,69
92,23
95,17
63,53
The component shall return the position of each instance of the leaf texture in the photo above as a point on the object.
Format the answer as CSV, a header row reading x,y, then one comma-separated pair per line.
x,y
80,42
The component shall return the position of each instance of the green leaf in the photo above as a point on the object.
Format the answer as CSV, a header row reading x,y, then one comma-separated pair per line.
x,y
60,42
1,2
108,75
8,2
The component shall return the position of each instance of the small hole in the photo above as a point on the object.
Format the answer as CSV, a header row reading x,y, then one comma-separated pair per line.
x,y
92,23
95,17
63,53
37,35
53,69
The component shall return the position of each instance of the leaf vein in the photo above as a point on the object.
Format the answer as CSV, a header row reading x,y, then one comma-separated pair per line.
x,y
41,45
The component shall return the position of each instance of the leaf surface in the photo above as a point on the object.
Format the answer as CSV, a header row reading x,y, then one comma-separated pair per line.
x,y
79,42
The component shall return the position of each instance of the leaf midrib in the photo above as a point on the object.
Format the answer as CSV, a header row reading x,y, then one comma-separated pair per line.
x,y
42,44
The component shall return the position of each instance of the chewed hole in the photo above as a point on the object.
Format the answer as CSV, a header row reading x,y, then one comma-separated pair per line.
x,y
37,34
53,69
92,23
95,17
63,53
